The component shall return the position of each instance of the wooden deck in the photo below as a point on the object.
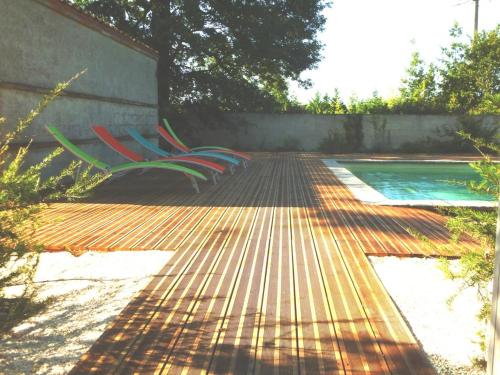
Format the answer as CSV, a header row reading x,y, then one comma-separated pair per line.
x,y
269,276
159,211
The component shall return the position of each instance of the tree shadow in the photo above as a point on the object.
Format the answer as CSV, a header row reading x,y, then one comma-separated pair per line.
x,y
382,356
276,180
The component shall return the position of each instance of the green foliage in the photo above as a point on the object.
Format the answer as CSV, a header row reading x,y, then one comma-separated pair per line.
x,y
455,139
326,105
333,143
240,56
333,105
232,55
475,268
348,140
486,168
480,224
374,105
23,194
470,74
465,81
419,90
280,94
353,131
426,146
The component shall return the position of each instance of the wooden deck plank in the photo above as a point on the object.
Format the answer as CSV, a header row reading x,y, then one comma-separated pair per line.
x,y
360,350
159,337
94,224
276,348
398,344
318,346
270,275
192,349
232,347
113,346
110,199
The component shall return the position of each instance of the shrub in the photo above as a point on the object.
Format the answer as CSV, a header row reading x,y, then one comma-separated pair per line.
x,y
475,268
350,140
23,195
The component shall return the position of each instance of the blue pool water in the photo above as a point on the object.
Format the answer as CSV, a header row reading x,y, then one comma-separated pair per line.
x,y
417,180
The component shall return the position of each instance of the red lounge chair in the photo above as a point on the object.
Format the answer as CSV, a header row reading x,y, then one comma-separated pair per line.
x,y
105,136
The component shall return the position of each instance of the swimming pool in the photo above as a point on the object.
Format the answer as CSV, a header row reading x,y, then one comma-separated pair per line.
x,y
426,183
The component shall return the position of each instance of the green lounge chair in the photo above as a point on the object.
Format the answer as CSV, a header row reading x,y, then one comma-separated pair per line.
x,y
169,135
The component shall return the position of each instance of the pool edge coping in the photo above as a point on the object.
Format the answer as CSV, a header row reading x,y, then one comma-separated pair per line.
x,y
368,195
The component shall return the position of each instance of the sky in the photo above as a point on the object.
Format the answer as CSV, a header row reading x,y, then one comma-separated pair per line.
x,y
368,44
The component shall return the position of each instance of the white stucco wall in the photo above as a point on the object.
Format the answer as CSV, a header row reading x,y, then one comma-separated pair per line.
x,y
384,133
42,46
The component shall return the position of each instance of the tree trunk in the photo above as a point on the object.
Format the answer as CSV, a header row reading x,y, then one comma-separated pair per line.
x,y
161,29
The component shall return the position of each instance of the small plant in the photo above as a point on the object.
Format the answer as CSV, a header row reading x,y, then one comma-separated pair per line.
x,y
468,128
427,145
474,268
333,143
23,195
487,169
348,140
326,105
353,130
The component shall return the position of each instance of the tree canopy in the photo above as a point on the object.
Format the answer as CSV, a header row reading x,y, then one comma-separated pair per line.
x,y
235,55
470,76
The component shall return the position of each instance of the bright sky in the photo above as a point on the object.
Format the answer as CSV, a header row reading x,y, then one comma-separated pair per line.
x,y
368,43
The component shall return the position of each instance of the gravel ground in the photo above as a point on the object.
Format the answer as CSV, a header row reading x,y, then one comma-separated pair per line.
x,y
53,341
420,290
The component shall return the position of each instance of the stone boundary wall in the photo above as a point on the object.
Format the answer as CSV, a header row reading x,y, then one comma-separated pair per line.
x,y
307,132
45,42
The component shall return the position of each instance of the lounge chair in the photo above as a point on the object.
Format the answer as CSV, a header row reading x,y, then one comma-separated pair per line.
x,y
105,136
134,133
78,152
169,135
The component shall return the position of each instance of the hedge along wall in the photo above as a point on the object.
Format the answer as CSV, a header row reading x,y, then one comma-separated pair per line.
x,y
330,133
48,41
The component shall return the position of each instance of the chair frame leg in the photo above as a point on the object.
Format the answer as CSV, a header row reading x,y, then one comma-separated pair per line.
x,y
194,183
214,178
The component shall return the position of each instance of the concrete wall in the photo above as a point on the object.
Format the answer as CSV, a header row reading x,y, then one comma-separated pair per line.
x,y
383,133
47,41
